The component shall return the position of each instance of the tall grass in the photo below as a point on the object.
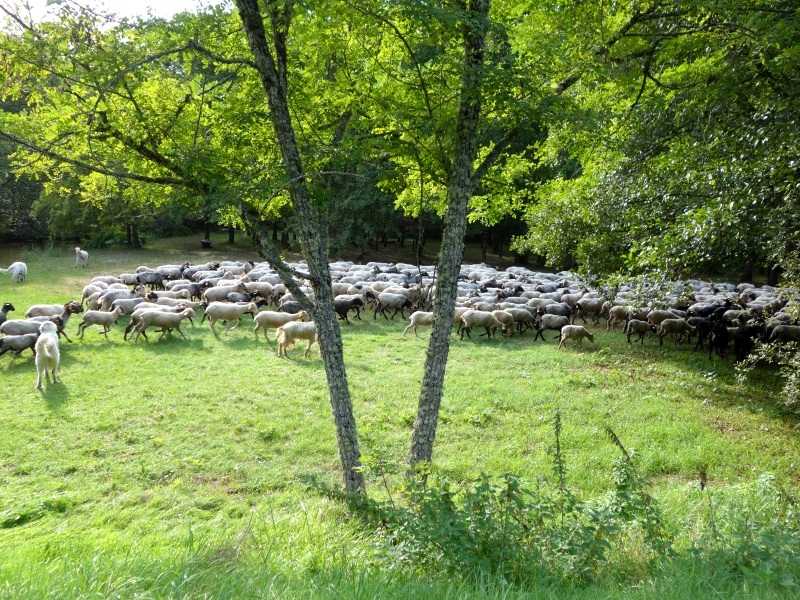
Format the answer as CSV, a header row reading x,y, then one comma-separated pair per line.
x,y
172,468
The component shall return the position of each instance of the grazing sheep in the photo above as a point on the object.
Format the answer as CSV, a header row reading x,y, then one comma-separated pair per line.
x,y
18,270
98,317
674,326
507,319
81,258
167,322
574,332
269,319
291,332
7,307
477,318
18,343
231,313
636,326
47,355
418,319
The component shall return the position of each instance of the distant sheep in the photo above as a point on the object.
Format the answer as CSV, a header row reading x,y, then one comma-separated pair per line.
x,y
296,330
18,270
81,258
574,332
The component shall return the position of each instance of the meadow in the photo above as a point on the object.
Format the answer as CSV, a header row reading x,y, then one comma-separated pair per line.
x,y
175,468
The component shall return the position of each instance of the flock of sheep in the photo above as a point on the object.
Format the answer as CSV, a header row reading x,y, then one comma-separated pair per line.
x,y
511,301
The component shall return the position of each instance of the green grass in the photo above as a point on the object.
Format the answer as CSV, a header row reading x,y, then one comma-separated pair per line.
x,y
171,468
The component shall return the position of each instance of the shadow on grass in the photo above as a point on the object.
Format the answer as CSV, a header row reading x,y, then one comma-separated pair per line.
x,y
56,395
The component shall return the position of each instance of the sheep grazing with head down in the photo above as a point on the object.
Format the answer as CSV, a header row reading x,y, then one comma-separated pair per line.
x,y
81,258
47,354
574,332
290,333
18,270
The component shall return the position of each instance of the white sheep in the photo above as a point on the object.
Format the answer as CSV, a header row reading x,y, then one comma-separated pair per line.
x,y
296,330
81,258
674,326
18,270
167,322
639,327
220,293
97,317
47,355
507,319
266,319
231,313
476,318
574,332
147,306
419,319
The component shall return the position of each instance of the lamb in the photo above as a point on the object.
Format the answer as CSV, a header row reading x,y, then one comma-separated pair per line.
x,y
291,332
266,319
98,317
635,326
574,332
477,318
47,355
674,326
418,319
167,322
396,301
231,313
18,343
18,270
507,319
7,307
81,258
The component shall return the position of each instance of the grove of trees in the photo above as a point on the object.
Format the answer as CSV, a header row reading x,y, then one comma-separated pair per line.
x,y
657,136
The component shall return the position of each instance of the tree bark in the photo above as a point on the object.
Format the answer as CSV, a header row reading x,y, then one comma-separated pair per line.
x,y
313,237
459,191
231,234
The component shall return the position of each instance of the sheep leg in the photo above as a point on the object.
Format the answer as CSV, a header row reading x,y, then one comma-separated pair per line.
x,y
178,327
308,347
465,330
64,333
406,329
214,331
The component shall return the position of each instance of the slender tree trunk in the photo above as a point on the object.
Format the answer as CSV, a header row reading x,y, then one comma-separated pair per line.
x,y
231,234
313,238
459,190
136,243
207,231
129,234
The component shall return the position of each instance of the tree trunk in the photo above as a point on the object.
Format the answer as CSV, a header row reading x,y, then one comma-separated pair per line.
x,y
483,246
136,243
459,191
129,234
207,232
231,234
313,237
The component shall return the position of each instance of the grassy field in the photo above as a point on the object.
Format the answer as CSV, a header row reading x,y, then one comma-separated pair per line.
x,y
172,468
